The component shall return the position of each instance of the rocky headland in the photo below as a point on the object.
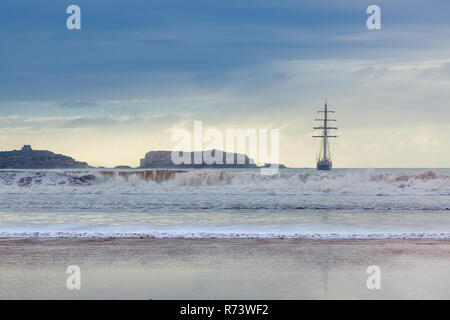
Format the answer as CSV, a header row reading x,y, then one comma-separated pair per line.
x,y
27,158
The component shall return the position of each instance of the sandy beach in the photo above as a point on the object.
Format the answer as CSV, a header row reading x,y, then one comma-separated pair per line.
x,y
224,269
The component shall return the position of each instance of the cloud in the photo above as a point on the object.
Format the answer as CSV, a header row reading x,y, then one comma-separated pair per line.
x,y
138,69
148,50
77,104
82,122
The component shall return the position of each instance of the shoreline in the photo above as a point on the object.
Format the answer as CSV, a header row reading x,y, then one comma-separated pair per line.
x,y
224,268
213,236
219,241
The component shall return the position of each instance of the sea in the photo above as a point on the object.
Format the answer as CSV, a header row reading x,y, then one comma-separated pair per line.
x,y
235,203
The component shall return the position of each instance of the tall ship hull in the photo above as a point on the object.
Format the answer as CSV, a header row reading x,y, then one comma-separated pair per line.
x,y
324,165
324,157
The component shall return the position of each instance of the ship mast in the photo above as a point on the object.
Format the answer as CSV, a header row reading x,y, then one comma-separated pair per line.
x,y
324,159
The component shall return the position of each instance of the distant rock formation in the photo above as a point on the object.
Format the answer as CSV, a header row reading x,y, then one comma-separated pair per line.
x,y
27,158
147,175
274,165
163,159
121,167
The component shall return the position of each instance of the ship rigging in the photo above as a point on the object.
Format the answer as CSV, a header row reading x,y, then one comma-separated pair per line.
x,y
324,158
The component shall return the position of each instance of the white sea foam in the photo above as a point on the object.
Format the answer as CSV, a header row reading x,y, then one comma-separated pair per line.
x,y
212,235
369,182
300,203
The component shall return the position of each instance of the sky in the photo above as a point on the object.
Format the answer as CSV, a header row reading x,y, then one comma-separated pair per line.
x,y
137,70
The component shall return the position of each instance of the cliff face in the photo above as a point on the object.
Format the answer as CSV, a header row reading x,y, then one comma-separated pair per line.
x,y
163,159
28,158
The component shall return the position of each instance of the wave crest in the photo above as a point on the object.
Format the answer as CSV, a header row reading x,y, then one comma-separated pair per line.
x,y
348,181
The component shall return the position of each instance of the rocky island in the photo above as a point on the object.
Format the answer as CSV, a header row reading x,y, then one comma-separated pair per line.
x,y
27,158
163,159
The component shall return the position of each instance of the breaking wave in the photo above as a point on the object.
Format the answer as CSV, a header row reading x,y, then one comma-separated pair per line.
x,y
221,235
366,182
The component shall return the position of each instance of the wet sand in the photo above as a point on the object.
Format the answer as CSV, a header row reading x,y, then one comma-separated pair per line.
x,y
224,269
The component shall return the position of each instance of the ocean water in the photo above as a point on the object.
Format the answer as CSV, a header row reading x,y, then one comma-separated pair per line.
x,y
296,203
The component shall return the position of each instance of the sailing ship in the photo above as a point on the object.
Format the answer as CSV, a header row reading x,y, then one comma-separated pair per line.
x,y
324,158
